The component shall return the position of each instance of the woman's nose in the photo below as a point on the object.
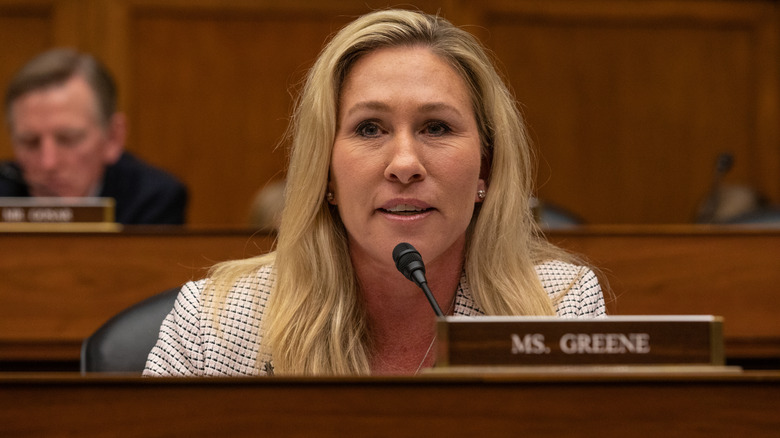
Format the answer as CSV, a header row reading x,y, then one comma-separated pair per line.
x,y
405,163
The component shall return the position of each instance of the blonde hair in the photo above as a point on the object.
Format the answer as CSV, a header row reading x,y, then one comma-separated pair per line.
x,y
314,323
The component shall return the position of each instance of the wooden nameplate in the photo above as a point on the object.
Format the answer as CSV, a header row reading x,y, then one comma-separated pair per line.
x,y
57,214
488,341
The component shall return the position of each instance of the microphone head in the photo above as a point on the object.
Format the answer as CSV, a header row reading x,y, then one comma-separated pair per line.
x,y
724,163
410,263
407,259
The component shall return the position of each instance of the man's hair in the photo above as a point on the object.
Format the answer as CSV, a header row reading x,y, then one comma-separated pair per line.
x,y
55,67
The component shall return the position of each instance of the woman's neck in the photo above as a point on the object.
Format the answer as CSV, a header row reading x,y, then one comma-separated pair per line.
x,y
401,320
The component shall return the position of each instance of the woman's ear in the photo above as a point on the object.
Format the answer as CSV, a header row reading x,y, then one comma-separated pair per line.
x,y
481,190
330,195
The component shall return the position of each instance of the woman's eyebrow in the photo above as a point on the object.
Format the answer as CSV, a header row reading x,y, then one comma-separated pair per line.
x,y
381,106
368,105
440,106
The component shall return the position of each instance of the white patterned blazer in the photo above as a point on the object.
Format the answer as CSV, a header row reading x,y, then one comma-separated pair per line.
x,y
191,344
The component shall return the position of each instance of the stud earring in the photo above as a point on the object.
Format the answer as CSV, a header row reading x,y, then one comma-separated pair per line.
x,y
329,196
481,194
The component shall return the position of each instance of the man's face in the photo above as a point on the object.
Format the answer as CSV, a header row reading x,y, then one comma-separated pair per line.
x,y
59,141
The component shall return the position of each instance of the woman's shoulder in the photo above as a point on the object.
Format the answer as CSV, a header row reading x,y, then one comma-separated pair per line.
x,y
260,279
554,273
254,285
574,288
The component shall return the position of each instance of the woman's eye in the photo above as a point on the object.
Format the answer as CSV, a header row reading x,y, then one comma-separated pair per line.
x,y
437,128
368,129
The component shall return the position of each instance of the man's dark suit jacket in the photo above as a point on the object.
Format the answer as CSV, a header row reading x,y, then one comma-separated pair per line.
x,y
143,194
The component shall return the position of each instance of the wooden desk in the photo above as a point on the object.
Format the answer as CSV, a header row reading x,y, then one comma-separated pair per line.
x,y
57,288
536,405
676,270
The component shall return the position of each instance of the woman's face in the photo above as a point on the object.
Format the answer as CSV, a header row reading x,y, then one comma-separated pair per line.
x,y
406,158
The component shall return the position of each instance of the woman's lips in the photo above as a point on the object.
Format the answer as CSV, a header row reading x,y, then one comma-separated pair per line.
x,y
405,209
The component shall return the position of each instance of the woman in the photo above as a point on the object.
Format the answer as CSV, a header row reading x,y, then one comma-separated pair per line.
x,y
404,132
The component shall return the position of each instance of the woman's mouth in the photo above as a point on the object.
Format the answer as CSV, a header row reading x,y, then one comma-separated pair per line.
x,y
405,210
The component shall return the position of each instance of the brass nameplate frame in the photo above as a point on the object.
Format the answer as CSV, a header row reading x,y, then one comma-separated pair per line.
x,y
614,340
56,214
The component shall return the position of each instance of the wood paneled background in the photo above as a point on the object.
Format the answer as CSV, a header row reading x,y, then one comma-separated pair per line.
x,y
629,102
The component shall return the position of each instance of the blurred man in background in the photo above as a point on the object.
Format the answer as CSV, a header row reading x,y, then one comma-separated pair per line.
x,y
69,141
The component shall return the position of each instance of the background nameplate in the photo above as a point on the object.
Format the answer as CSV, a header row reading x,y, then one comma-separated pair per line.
x,y
614,340
48,213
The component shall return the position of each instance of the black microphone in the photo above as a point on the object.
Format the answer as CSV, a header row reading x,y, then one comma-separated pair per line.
x,y
708,207
409,261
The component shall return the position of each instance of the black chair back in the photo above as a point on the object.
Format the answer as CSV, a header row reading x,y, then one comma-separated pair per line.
x,y
122,344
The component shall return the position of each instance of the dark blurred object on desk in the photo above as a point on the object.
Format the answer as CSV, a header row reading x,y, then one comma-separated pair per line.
x,y
554,217
728,203
266,209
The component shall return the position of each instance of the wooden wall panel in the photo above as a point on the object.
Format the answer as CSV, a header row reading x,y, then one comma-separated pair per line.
x,y
629,101
212,101
629,104
212,93
25,29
